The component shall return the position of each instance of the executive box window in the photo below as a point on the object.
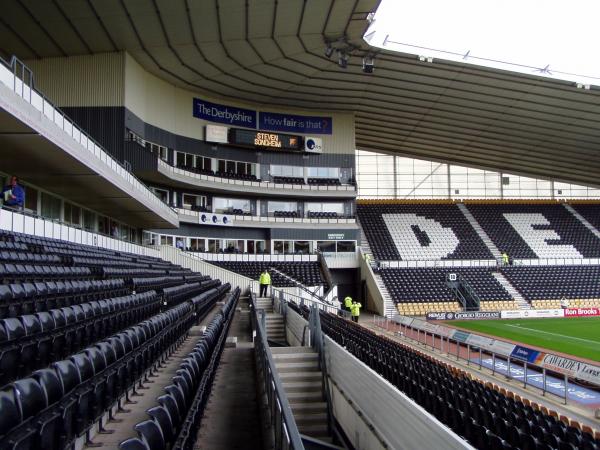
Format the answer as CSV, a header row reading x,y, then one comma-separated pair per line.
x,y
72,214
163,194
323,172
326,246
89,220
191,201
197,245
50,206
159,150
337,208
228,205
214,245
346,246
103,225
282,206
234,246
236,167
301,247
256,247
283,247
166,240
31,198
286,171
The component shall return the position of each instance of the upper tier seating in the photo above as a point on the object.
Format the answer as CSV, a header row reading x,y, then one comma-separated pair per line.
x,y
481,413
307,273
322,215
425,285
555,282
590,212
415,231
288,180
325,181
536,230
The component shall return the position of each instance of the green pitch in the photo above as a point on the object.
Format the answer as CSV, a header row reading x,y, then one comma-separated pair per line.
x,y
575,336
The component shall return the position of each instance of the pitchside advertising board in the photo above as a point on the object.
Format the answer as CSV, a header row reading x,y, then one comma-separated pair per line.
x,y
268,121
470,315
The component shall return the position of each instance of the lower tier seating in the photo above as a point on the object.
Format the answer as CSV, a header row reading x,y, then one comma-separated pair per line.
x,y
428,285
172,422
483,414
307,273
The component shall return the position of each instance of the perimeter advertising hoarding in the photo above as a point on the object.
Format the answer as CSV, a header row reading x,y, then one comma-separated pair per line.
x,y
571,368
581,312
471,315
532,313
479,341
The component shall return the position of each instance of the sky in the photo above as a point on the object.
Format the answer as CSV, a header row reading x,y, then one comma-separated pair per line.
x,y
533,33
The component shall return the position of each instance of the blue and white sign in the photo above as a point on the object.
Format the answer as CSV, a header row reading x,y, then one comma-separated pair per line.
x,y
230,115
294,123
524,354
313,145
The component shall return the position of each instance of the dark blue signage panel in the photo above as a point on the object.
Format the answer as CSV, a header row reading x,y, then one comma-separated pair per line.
x,y
294,123
524,354
229,115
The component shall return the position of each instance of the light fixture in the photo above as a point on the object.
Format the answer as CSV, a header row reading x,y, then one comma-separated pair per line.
x,y
342,59
583,86
368,64
329,50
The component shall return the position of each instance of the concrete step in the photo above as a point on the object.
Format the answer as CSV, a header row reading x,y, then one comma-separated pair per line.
x,y
308,407
304,366
314,429
294,352
304,398
310,419
302,386
300,376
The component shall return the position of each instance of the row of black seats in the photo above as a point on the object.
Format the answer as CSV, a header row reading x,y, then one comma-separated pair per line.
x,y
288,214
485,417
26,298
322,215
117,272
15,257
174,420
177,294
325,181
32,341
55,405
155,283
101,262
11,273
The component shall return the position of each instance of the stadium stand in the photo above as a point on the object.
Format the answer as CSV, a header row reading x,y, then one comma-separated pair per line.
x,y
307,273
481,413
389,222
421,290
590,211
565,236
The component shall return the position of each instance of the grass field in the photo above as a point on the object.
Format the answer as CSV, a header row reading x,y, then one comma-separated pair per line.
x,y
575,336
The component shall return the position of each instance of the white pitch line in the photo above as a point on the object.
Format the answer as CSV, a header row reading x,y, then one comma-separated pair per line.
x,y
553,334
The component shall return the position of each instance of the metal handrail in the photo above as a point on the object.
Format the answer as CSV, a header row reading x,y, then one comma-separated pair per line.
x,y
13,66
286,432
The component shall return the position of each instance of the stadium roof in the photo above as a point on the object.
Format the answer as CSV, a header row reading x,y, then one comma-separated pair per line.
x,y
272,53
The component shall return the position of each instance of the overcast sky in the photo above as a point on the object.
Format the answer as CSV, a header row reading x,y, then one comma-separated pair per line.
x,y
563,35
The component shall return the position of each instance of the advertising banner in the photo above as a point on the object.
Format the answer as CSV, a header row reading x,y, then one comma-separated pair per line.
x,y
215,219
572,368
479,341
525,354
531,313
294,123
470,315
216,133
581,312
313,145
230,115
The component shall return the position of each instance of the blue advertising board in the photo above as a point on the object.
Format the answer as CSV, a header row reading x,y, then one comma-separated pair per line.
x,y
294,123
524,354
230,115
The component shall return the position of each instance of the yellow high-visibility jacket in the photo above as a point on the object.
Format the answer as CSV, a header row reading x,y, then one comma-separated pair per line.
x,y
355,309
265,278
348,302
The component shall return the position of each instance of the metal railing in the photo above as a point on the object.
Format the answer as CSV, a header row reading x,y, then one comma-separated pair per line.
x,y
19,78
285,430
267,220
257,184
30,223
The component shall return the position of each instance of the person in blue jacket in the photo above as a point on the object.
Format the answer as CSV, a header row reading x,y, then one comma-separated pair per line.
x,y
13,193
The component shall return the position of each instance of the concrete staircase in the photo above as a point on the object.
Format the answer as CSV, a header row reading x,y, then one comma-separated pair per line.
x,y
298,369
482,234
274,321
512,291
388,304
582,219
